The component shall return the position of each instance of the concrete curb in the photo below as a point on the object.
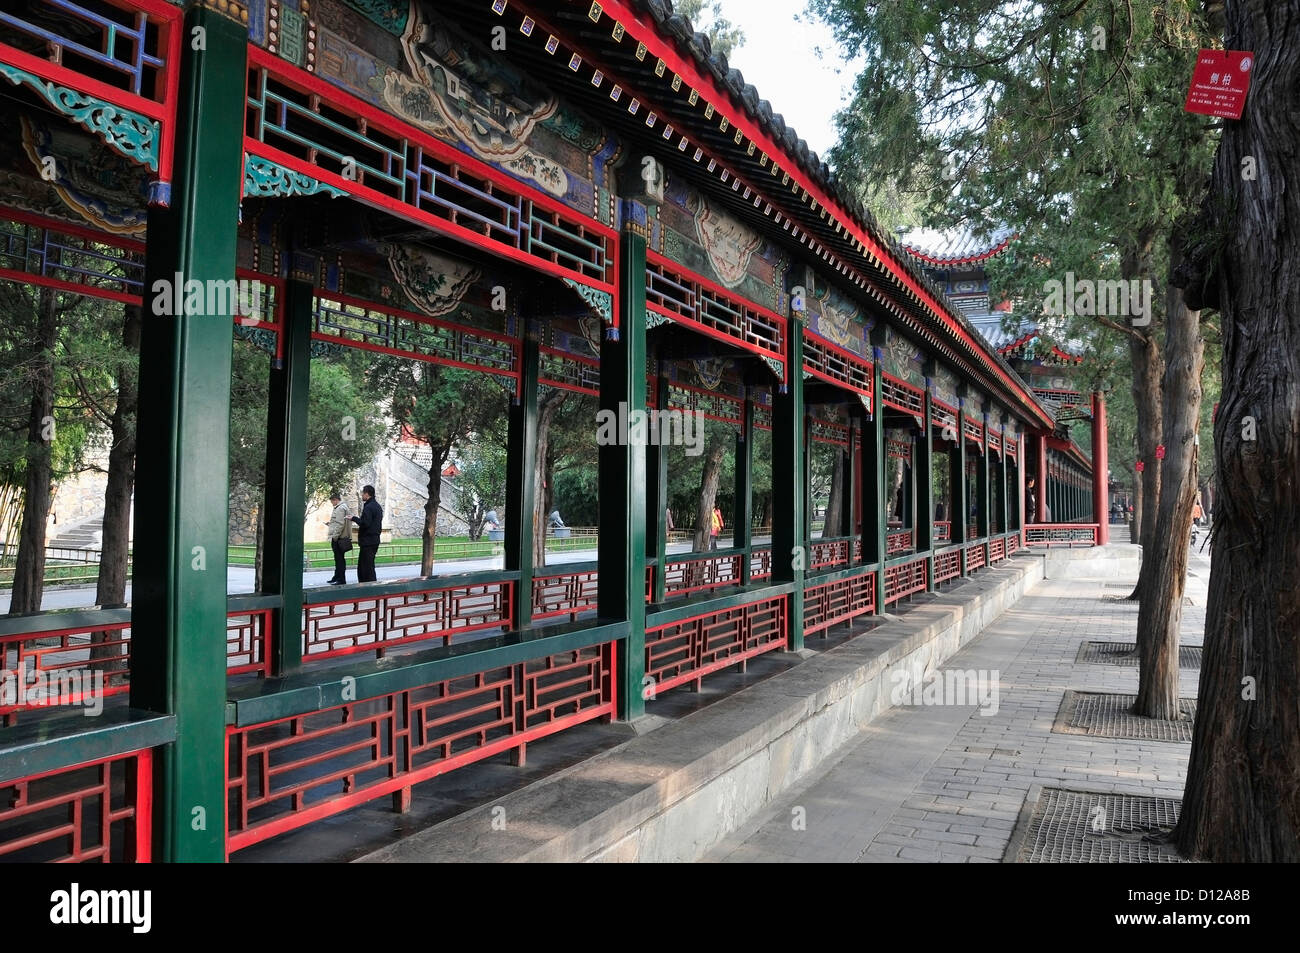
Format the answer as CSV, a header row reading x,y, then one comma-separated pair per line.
x,y
672,794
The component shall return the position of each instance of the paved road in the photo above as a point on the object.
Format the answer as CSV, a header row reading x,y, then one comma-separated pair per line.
x,y
945,783
239,579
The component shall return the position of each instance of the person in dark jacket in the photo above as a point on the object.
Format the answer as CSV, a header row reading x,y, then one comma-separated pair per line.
x,y
371,522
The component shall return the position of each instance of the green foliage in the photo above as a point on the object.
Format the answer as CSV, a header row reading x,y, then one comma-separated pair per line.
x,y
85,362
338,391
707,18
1063,119
481,483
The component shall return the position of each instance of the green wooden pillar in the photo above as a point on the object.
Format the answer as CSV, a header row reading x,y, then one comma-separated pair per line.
x,y
982,482
657,499
789,534
923,466
959,499
806,456
850,483
621,549
875,506
1004,520
521,491
742,515
178,616
286,478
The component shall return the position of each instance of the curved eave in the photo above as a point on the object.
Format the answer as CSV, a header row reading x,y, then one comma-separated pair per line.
x,y
940,261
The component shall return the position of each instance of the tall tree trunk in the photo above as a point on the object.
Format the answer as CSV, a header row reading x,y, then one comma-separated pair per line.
x,y
1164,557
1242,802
548,405
110,589
29,571
708,491
1135,527
835,500
1148,370
429,536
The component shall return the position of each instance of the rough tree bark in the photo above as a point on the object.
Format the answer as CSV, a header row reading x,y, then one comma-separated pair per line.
x,y
115,545
1164,557
29,570
1242,799
549,403
1148,371
835,499
429,536
709,490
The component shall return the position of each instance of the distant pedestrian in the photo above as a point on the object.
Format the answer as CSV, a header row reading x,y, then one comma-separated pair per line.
x,y
715,527
371,524
340,537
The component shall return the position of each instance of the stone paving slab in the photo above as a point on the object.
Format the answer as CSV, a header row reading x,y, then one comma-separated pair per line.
x,y
943,783
674,793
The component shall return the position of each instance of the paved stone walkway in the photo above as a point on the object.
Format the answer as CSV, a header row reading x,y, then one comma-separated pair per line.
x,y
946,783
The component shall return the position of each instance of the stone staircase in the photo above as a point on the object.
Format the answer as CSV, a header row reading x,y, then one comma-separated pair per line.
x,y
85,534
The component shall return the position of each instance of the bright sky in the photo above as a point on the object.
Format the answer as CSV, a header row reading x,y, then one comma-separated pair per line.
x,y
779,58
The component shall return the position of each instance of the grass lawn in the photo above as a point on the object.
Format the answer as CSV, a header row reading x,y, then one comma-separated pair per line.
x,y
407,550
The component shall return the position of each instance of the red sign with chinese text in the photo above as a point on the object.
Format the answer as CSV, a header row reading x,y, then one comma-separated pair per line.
x,y
1160,452
1141,466
1220,83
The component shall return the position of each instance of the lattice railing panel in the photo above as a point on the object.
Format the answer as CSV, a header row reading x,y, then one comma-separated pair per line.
x,y
905,580
711,404
391,331
688,650
828,431
836,365
293,118
568,593
285,774
947,566
899,542
83,665
346,626
44,251
700,573
569,371
826,553
713,310
974,556
902,396
1060,534
97,812
831,603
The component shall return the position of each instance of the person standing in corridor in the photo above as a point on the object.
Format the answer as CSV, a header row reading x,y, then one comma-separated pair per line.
x,y
340,537
371,524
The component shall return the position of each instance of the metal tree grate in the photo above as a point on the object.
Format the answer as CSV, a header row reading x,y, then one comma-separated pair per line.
x,y
1125,653
1105,715
1063,826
